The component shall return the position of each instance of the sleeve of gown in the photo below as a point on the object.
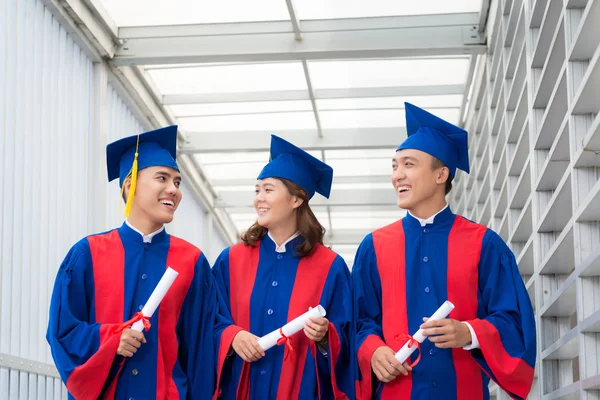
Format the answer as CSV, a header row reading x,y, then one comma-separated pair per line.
x,y
336,371
367,314
198,320
505,328
83,351
225,330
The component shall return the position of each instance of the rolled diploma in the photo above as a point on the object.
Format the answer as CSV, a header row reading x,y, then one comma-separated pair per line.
x,y
441,313
296,325
156,297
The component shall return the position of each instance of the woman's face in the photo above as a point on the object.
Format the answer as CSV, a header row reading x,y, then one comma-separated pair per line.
x,y
274,204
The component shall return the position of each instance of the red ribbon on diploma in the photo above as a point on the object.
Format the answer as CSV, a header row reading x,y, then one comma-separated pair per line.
x,y
138,316
411,342
285,340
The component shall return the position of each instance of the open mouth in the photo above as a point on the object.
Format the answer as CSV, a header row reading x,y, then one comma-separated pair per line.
x,y
261,211
403,189
168,203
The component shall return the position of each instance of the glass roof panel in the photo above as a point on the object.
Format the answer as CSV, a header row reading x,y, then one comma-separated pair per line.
x,y
361,167
361,118
388,73
377,118
230,78
453,100
187,110
233,170
366,153
218,158
177,12
363,185
330,9
250,122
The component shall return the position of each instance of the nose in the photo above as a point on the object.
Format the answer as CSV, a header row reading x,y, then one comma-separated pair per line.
x,y
172,188
398,174
259,196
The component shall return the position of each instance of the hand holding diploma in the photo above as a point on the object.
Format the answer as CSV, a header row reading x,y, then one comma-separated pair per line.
x,y
131,339
282,335
387,366
413,343
315,328
446,333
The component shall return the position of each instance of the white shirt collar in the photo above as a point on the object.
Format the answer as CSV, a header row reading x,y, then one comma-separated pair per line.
x,y
429,220
281,249
145,238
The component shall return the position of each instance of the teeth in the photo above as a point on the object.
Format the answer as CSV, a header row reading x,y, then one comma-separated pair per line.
x,y
403,188
168,203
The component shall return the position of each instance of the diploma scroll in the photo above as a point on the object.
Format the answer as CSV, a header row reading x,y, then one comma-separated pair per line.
x,y
406,350
156,297
292,327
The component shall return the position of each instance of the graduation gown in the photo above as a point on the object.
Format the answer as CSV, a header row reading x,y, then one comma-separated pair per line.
x,y
404,272
103,281
263,290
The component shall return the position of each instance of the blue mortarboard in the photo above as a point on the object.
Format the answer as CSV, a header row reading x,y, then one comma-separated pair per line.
x,y
294,164
134,153
155,148
439,138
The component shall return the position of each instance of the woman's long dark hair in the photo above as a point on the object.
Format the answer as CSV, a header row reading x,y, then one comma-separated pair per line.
x,y
308,225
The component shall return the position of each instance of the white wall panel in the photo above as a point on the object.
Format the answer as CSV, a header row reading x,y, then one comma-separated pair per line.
x,y
45,83
534,141
53,177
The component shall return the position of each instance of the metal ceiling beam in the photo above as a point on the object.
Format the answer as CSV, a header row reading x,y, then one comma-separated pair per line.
x,y
93,20
307,139
294,19
339,197
399,36
484,13
313,100
320,94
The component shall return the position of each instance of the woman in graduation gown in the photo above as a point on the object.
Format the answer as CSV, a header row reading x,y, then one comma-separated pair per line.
x,y
278,272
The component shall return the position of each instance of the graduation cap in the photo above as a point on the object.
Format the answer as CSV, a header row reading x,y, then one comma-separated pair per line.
x,y
129,155
294,164
439,138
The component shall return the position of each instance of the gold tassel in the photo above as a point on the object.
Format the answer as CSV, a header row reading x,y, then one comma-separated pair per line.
x,y
133,172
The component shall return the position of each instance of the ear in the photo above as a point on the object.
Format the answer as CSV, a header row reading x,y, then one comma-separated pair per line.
x,y
297,202
126,186
442,175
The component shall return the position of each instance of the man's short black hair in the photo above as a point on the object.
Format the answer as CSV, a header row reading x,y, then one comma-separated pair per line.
x,y
436,163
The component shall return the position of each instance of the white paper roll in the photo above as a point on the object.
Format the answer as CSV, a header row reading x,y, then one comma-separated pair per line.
x,y
156,297
441,313
292,327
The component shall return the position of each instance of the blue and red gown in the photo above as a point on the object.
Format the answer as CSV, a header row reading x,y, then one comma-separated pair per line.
x,y
405,271
264,289
103,281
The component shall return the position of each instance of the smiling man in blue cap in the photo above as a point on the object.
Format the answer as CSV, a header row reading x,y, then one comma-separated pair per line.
x,y
405,271
106,278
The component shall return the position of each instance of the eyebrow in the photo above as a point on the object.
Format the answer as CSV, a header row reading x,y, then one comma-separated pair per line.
x,y
168,175
265,184
405,158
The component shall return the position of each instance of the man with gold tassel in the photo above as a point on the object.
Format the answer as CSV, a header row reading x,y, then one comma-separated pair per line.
x,y
106,278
